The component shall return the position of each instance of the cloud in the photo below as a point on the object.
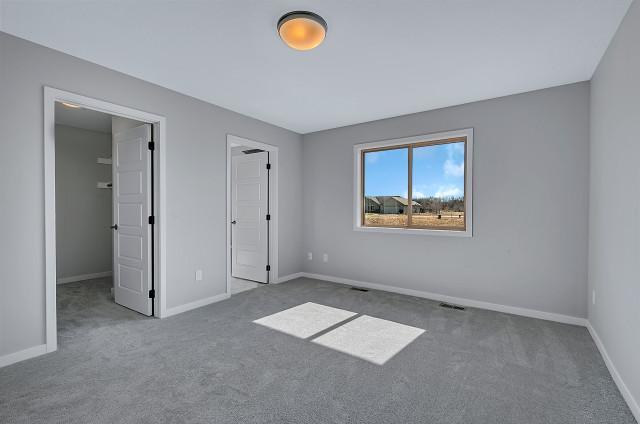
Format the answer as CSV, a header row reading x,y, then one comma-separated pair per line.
x,y
415,193
452,169
446,192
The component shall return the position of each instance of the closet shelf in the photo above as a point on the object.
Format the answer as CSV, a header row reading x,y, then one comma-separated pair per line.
x,y
104,185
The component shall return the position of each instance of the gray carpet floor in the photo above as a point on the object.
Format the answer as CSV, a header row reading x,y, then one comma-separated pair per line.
x,y
214,365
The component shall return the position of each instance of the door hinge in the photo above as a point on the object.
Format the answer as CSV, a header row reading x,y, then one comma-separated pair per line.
x,y
268,217
152,145
152,294
152,220
268,166
268,267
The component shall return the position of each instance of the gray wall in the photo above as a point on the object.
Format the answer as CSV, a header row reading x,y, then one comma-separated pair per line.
x,y
529,249
83,212
614,229
196,155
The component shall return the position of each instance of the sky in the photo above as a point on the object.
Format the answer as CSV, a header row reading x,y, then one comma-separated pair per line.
x,y
438,171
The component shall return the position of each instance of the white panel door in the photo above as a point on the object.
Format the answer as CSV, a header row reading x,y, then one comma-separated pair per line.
x,y
131,206
249,208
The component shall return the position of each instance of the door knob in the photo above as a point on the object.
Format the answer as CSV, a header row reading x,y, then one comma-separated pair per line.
x,y
114,227
234,222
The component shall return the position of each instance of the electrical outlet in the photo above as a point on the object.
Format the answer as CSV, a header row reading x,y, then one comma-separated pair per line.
x,y
325,257
310,256
199,275
593,296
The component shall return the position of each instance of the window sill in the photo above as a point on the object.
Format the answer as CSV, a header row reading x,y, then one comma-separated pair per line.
x,y
413,231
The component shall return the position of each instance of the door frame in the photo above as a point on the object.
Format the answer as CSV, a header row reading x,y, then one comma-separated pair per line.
x,y
51,96
235,141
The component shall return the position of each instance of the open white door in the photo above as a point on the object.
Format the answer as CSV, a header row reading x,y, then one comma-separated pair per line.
x,y
131,207
250,225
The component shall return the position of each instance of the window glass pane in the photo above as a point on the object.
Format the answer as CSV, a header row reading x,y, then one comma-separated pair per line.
x,y
386,182
438,186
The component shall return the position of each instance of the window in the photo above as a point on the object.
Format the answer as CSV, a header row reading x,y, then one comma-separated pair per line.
x,y
419,185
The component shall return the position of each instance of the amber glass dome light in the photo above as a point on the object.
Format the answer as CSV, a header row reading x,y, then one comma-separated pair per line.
x,y
302,30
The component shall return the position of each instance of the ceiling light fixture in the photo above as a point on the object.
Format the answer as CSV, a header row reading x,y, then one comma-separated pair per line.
x,y
302,30
71,105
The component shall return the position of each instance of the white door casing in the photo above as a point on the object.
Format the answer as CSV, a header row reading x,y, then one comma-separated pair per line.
x,y
131,209
249,209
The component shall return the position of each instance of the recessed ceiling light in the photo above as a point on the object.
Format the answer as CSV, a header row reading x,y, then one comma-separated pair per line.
x,y
71,105
302,30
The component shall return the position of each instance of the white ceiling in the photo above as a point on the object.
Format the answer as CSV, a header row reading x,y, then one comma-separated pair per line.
x,y
83,118
381,58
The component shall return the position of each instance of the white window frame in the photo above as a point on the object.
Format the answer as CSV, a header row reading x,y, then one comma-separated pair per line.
x,y
357,184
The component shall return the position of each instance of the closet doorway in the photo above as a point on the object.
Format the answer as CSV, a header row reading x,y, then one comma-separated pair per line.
x,y
102,198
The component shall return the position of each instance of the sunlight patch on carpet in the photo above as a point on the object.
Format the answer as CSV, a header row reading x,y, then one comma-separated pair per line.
x,y
372,339
305,320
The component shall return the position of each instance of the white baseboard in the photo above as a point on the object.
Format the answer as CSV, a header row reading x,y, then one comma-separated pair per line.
x,y
83,277
626,393
531,313
194,305
22,355
289,277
